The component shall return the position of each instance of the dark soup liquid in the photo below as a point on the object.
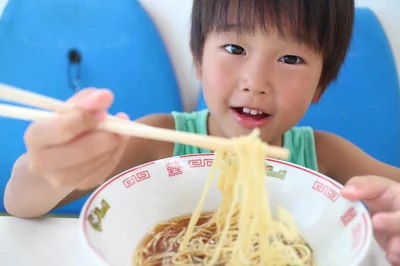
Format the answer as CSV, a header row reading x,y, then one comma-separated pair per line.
x,y
161,244
161,240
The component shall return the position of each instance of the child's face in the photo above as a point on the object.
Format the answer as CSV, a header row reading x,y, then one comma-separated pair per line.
x,y
258,72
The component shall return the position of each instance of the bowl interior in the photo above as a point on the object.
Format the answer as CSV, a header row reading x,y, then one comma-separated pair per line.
x,y
119,213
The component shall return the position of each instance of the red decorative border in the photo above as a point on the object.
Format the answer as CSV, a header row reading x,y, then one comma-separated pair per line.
x,y
197,163
94,195
326,191
366,230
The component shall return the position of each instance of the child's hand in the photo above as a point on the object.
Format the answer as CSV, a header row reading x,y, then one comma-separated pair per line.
x,y
382,197
66,151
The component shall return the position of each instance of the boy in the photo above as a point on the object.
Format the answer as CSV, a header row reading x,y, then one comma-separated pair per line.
x,y
261,63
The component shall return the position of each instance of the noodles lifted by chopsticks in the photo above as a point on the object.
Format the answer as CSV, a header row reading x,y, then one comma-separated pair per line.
x,y
242,231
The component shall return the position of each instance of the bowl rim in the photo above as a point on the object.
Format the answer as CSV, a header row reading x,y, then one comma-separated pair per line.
x,y
99,257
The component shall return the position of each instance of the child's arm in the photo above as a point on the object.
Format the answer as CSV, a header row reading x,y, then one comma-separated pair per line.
x,y
342,160
57,169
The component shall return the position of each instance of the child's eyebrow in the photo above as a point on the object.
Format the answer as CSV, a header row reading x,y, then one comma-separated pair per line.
x,y
227,28
286,34
235,28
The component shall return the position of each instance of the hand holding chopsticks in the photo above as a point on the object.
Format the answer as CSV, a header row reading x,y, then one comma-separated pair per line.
x,y
112,123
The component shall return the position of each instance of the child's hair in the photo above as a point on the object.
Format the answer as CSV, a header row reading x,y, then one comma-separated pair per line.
x,y
323,25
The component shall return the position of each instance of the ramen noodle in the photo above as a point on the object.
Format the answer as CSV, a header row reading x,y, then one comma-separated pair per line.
x,y
242,231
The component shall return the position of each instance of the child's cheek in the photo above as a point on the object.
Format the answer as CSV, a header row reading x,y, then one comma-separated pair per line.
x,y
294,105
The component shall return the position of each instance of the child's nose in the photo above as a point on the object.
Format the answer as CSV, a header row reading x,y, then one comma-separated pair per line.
x,y
255,90
256,78
257,84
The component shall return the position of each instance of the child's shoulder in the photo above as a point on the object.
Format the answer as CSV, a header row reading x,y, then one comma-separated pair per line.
x,y
336,155
329,147
141,150
194,122
300,141
341,160
158,120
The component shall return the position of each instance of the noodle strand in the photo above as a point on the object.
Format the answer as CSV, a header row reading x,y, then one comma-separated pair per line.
x,y
242,231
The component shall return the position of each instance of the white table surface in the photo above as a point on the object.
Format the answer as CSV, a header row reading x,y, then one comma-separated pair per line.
x,y
41,242
55,242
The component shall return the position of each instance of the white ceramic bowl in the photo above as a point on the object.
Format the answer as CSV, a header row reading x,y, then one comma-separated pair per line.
x,y
119,213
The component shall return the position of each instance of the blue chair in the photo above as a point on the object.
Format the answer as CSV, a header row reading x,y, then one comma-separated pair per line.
x,y
363,105
58,47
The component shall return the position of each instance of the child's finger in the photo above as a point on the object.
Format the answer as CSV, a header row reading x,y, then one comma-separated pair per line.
x,y
393,250
123,116
365,187
93,100
59,129
387,221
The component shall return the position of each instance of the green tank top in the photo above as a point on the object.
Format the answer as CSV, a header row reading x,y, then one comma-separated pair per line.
x,y
299,140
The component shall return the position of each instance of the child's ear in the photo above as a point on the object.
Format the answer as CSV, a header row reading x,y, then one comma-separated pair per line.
x,y
199,73
316,98
317,95
197,65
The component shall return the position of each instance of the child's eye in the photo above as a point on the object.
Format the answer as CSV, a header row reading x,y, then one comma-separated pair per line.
x,y
235,49
291,59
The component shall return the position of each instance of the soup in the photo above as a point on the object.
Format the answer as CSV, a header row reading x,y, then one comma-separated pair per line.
x,y
160,246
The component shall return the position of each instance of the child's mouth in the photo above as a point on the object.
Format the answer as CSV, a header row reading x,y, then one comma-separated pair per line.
x,y
251,113
250,118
